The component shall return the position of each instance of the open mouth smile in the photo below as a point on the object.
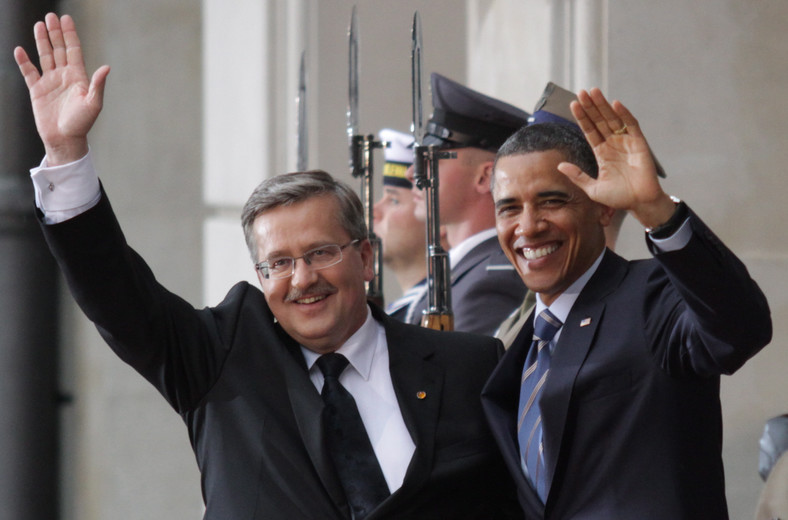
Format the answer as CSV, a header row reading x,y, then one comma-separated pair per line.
x,y
311,299
539,252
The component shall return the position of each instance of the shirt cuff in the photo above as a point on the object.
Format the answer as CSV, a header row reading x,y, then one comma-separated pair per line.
x,y
65,191
676,241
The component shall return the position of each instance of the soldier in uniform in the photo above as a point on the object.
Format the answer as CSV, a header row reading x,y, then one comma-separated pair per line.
x,y
485,289
402,236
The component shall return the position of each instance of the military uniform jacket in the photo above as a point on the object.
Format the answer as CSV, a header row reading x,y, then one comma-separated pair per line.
x,y
253,415
631,417
485,289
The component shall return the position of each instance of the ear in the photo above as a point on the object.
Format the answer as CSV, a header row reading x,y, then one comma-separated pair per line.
x,y
367,259
483,175
606,215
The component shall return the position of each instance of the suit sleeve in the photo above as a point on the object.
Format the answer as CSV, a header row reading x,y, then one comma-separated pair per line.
x,y
176,347
717,315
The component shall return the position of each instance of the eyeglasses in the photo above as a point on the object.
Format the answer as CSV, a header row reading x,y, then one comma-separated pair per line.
x,y
318,258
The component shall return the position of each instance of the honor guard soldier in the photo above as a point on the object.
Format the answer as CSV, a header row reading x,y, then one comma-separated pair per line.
x,y
485,289
401,234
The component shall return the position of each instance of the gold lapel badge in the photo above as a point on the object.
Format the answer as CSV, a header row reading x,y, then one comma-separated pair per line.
x,y
421,394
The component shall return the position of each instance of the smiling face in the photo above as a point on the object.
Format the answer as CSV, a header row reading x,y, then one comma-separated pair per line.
x,y
319,309
548,227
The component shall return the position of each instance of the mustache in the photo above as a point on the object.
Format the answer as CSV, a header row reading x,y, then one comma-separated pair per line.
x,y
320,287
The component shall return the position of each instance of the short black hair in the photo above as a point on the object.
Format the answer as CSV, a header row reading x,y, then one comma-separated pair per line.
x,y
566,138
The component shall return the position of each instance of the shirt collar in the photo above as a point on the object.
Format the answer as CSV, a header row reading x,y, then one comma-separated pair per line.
x,y
460,250
359,349
563,304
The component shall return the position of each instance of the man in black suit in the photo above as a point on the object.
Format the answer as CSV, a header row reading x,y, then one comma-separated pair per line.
x,y
246,376
607,404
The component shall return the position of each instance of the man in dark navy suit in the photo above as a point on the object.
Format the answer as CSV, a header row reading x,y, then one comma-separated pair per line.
x,y
606,406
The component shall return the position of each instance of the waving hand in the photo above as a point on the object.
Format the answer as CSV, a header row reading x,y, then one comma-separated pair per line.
x,y
627,172
65,102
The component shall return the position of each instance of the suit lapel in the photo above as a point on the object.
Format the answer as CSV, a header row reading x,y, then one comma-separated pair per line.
x,y
418,385
500,401
574,344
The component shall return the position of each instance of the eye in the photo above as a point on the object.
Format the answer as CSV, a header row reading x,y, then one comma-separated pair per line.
x,y
508,209
279,263
553,202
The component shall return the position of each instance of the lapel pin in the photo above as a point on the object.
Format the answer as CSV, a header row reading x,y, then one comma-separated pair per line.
x,y
421,394
585,322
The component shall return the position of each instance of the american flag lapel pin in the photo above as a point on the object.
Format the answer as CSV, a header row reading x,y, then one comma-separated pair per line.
x,y
585,322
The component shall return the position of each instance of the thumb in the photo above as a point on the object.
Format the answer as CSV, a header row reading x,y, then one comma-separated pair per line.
x,y
577,176
97,84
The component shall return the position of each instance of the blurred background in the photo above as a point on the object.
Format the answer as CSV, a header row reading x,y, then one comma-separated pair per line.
x,y
200,106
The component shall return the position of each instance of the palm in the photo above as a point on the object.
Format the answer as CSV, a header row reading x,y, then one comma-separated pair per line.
x,y
61,104
626,173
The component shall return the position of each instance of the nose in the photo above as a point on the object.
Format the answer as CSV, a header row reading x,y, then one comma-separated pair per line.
x,y
303,274
377,210
530,223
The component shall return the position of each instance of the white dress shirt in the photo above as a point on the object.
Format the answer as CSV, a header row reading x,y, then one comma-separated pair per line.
x,y
368,379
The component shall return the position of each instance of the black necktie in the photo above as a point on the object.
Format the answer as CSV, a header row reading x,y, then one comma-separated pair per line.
x,y
348,442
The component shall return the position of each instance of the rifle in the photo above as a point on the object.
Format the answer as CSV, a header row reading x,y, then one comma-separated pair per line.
x,y
361,160
438,314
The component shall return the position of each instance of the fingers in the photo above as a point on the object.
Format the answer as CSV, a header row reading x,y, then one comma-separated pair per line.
x,y
44,47
56,39
57,42
26,67
73,46
600,120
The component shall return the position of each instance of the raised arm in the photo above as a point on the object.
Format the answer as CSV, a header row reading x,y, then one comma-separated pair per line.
x,y
627,173
65,103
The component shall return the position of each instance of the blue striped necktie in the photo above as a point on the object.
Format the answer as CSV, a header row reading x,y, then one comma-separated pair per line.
x,y
529,418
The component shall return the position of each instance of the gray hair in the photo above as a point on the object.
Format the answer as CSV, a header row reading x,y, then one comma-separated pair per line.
x,y
291,188
567,139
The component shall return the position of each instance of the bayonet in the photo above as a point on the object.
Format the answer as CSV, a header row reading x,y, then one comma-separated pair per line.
x,y
361,159
415,60
302,136
352,106
438,314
